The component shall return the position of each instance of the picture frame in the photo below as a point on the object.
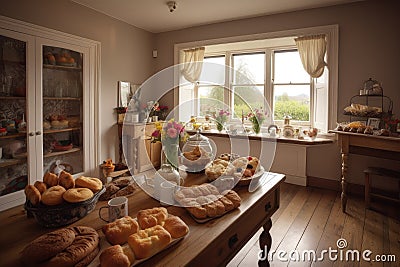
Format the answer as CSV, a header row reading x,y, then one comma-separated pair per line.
x,y
373,122
124,93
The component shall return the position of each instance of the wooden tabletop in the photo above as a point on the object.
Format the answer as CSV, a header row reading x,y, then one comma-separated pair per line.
x,y
17,230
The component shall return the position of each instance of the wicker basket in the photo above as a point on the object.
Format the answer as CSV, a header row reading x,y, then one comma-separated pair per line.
x,y
64,214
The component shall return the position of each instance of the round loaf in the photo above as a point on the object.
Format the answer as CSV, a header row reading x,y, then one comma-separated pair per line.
x,y
32,194
47,246
176,227
86,240
75,195
66,180
50,179
41,186
53,195
114,257
93,184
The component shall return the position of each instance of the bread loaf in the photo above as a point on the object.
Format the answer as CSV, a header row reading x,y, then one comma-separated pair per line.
x,y
148,242
176,227
117,232
151,217
114,257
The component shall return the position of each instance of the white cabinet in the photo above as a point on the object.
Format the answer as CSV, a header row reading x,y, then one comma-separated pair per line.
x,y
50,80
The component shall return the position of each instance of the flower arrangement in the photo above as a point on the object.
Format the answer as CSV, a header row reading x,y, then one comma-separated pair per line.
x,y
391,124
257,117
220,118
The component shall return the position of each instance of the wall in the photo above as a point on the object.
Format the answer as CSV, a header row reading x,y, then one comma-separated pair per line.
x,y
126,51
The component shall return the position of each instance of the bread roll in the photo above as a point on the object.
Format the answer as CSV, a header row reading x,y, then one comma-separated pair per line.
x,y
114,257
47,246
148,242
75,195
152,217
176,227
93,184
66,180
53,195
32,194
50,179
41,186
117,232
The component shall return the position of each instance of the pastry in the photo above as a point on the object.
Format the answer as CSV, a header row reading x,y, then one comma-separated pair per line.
x,y
117,232
115,256
66,180
148,242
75,195
111,189
126,190
47,246
53,195
176,227
216,168
33,194
122,182
50,179
93,184
151,217
41,186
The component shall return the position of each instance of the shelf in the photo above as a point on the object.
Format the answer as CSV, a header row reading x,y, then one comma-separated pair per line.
x,y
13,62
58,153
10,136
10,162
13,97
62,98
59,67
61,130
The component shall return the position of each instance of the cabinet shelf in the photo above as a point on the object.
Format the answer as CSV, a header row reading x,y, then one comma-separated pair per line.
x,y
62,98
59,67
10,136
10,162
58,153
61,130
13,97
6,61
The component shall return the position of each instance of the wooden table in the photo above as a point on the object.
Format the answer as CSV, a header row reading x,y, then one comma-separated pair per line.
x,y
213,243
363,144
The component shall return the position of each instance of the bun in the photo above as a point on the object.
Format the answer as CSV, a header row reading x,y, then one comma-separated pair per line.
x,y
148,242
41,186
32,194
176,227
66,180
152,217
117,232
75,195
50,179
53,195
93,184
114,257
86,240
47,246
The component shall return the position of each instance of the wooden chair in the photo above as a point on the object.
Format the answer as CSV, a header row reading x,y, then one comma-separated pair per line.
x,y
383,173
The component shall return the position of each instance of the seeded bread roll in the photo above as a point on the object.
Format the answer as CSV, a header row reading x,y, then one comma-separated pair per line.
x,y
148,242
117,232
32,194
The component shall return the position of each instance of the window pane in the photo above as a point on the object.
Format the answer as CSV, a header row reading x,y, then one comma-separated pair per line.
x,y
246,98
211,99
288,68
249,68
213,71
292,100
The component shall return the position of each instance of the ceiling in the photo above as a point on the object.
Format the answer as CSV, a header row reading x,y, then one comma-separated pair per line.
x,y
154,15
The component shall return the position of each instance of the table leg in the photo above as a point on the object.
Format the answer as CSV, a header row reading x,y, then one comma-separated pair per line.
x,y
265,242
344,182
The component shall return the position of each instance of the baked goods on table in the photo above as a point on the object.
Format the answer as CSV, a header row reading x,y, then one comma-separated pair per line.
x,y
231,165
117,232
74,195
116,256
175,226
122,186
152,217
93,184
71,246
205,201
53,196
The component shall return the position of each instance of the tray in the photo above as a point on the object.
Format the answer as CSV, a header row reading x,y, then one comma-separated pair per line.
x,y
244,181
209,218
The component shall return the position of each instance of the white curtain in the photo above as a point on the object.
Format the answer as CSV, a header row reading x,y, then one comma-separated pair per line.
x,y
193,63
312,51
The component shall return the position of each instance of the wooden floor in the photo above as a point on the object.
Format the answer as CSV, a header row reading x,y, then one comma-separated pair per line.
x,y
311,219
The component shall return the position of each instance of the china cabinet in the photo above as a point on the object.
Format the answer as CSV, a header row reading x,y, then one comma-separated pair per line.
x,y
48,95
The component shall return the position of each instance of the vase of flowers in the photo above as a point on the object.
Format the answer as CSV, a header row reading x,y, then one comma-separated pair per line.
x,y
257,117
220,118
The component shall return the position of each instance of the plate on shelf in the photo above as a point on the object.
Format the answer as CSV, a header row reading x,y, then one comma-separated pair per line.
x,y
59,148
66,64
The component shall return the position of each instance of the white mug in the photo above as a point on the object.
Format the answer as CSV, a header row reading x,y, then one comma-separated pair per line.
x,y
117,208
167,193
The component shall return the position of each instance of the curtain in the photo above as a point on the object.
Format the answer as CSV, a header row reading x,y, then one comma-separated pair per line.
x,y
193,63
312,51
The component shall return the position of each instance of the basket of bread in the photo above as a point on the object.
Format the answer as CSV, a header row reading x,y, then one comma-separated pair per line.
x,y
61,200
130,241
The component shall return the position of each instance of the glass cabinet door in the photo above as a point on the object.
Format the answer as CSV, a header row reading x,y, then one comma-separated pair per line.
x,y
14,167
62,77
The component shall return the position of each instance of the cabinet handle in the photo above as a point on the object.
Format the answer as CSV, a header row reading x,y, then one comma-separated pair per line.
x,y
31,134
268,206
38,133
233,240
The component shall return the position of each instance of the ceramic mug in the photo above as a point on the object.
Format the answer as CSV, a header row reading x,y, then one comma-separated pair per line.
x,y
167,193
117,208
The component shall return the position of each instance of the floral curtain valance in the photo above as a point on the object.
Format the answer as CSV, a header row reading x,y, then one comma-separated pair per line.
x,y
193,63
312,51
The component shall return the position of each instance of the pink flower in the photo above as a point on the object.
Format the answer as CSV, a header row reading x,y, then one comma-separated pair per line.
x,y
172,132
156,133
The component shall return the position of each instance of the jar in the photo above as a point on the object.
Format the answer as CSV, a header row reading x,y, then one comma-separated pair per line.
x,y
197,152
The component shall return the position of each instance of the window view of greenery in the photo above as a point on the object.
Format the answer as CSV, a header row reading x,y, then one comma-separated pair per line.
x,y
211,99
291,87
248,82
